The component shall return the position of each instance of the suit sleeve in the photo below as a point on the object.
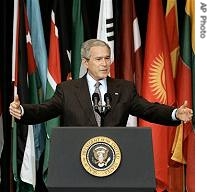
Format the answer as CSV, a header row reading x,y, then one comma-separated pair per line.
x,y
152,112
38,113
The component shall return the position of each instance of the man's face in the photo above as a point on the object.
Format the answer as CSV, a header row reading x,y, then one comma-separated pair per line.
x,y
99,63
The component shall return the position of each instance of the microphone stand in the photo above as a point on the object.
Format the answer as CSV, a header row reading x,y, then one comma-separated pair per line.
x,y
104,109
103,113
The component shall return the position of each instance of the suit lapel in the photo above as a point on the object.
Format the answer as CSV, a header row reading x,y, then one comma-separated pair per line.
x,y
113,90
84,98
82,93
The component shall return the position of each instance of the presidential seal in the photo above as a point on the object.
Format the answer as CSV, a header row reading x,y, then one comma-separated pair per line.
x,y
100,156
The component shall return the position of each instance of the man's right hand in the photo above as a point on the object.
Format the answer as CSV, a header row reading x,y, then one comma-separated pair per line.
x,y
14,108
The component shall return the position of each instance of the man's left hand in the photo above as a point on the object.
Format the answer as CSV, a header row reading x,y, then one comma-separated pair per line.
x,y
184,113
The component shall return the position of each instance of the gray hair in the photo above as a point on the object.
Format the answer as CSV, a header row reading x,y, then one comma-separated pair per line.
x,y
87,45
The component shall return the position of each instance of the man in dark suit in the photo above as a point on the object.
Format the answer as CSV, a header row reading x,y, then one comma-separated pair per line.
x,y
72,98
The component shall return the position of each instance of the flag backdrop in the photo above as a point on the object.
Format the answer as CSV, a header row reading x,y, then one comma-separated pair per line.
x,y
67,53
63,22
28,87
53,78
105,29
21,133
77,69
40,54
185,89
158,86
130,49
176,170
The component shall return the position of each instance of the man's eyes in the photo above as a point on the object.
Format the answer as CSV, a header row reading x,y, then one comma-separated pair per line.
x,y
101,58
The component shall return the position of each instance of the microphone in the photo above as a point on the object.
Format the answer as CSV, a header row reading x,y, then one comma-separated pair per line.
x,y
107,99
95,99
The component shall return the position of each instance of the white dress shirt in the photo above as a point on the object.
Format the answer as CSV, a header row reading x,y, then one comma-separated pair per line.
x,y
102,87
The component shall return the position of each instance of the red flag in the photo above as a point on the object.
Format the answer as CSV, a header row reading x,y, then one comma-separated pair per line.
x,y
54,70
172,32
130,49
176,170
158,86
184,89
53,78
130,44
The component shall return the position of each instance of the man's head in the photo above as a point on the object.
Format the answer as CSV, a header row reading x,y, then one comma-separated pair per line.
x,y
96,58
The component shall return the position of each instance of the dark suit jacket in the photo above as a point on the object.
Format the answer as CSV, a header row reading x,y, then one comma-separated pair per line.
x,y
73,102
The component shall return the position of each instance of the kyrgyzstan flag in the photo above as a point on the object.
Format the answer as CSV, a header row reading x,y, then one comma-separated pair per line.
x,y
158,86
130,64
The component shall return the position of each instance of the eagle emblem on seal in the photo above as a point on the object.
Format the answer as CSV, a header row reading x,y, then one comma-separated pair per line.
x,y
100,156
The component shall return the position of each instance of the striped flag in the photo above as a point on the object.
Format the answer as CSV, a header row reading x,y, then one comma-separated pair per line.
x,y
63,16
27,85
40,54
130,49
53,78
105,31
38,40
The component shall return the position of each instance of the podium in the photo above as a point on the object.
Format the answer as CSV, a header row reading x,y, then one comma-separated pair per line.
x,y
130,163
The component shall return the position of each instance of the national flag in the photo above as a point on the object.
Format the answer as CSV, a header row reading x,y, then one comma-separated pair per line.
x,y
38,40
176,170
172,32
105,31
53,78
77,69
40,54
185,91
173,41
27,85
63,18
158,86
130,49
21,133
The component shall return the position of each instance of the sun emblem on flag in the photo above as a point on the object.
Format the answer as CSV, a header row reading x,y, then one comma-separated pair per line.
x,y
157,78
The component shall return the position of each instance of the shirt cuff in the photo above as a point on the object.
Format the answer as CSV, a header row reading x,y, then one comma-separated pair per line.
x,y
173,115
22,110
